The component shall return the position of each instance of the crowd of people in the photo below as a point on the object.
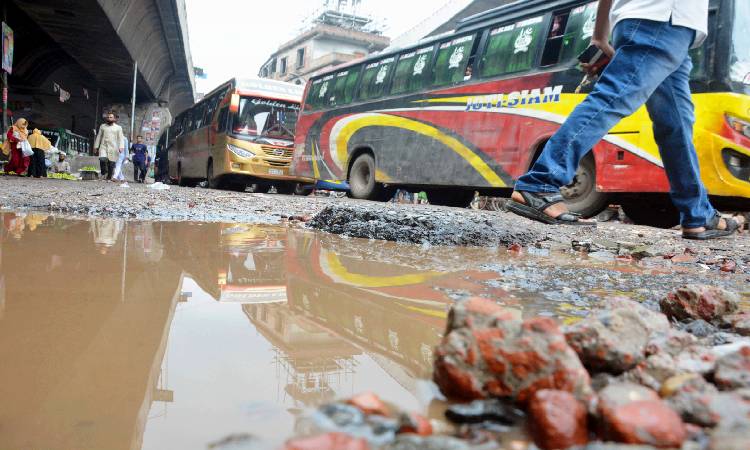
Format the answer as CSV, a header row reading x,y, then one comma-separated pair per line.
x,y
27,153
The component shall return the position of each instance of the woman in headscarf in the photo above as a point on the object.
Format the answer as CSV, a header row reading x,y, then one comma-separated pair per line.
x,y
40,145
17,134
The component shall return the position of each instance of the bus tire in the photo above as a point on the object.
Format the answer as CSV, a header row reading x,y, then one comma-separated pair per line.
x,y
213,182
581,196
182,181
285,188
362,182
450,197
658,214
303,190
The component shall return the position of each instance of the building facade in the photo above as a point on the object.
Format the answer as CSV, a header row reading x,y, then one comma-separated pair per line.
x,y
333,38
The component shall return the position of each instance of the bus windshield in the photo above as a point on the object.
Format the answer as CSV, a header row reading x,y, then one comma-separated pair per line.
x,y
264,118
740,69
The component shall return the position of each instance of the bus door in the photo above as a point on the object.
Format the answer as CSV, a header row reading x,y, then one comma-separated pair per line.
x,y
217,135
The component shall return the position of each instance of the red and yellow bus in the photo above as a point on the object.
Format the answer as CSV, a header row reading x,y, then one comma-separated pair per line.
x,y
472,111
240,135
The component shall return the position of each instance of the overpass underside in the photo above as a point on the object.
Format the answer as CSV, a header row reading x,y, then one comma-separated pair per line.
x,y
87,49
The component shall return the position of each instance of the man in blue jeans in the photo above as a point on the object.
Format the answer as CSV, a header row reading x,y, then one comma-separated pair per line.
x,y
650,64
140,158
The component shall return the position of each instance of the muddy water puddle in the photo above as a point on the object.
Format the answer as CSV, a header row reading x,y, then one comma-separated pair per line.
x,y
120,335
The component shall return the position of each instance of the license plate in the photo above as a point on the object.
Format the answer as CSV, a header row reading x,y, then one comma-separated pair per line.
x,y
275,172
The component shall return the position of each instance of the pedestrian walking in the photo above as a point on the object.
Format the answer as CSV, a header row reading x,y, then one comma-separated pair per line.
x,y
140,157
161,163
17,138
119,175
109,144
40,145
649,64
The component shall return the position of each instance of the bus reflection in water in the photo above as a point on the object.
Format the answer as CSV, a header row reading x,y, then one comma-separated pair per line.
x,y
472,111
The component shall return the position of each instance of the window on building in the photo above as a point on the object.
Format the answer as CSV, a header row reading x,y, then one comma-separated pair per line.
x,y
375,78
411,70
300,58
512,48
273,66
283,66
452,61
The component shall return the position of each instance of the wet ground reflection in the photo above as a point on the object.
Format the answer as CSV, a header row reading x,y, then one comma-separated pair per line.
x,y
175,335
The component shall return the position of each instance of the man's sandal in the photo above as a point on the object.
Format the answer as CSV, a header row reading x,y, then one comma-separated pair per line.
x,y
537,203
712,230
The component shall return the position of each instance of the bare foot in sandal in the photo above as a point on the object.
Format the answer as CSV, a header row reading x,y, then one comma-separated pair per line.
x,y
717,228
546,208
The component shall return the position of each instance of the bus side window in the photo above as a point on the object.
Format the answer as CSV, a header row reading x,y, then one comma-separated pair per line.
x,y
375,78
312,103
409,75
578,32
452,61
554,44
703,55
222,124
347,96
512,48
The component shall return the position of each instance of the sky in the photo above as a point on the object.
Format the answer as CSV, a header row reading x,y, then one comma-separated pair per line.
x,y
235,37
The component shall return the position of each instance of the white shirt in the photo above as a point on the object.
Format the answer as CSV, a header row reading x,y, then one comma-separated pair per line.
x,y
684,13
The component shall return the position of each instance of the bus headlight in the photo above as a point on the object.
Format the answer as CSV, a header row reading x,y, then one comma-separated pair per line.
x,y
241,152
738,125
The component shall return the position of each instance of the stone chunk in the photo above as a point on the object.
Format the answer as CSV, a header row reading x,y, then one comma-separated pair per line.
x,y
369,403
699,302
733,370
329,441
412,442
415,424
479,411
647,422
609,341
558,420
732,437
505,357
738,323
633,414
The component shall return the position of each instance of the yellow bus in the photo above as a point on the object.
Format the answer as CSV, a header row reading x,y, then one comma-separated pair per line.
x,y
472,110
239,136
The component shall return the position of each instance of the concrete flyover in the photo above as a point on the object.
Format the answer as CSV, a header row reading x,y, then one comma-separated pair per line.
x,y
92,45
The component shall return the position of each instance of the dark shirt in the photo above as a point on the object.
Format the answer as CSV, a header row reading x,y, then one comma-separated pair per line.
x,y
140,153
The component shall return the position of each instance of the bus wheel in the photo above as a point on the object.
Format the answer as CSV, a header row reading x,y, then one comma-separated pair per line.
x,y
213,183
362,182
450,197
303,190
182,181
285,188
581,196
658,214
259,188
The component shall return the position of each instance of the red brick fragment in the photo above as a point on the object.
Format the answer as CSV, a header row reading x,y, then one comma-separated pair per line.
x,y
369,403
558,420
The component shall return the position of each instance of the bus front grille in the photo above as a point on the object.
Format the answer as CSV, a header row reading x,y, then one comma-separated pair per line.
x,y
277,152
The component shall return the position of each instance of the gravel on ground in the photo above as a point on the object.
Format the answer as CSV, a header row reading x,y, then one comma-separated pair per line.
x,y
418,224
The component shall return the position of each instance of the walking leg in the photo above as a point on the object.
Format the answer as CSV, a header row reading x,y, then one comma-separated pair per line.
x,y
673,113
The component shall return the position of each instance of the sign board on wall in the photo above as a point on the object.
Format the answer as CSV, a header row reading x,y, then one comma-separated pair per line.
x,y
7,48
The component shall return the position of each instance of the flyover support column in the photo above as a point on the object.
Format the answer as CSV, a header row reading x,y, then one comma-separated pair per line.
x,y
132,108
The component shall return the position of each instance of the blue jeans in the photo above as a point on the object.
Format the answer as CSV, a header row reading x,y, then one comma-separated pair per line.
x,y
651,66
